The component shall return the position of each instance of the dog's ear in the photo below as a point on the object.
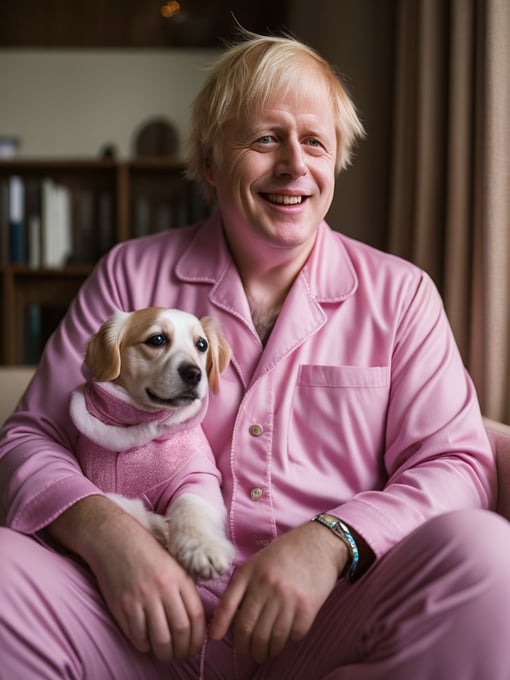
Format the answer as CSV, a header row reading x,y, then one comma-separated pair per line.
x,y
102,357
219,352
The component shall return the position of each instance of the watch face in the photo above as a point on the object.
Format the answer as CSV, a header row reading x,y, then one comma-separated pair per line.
x,y
330,519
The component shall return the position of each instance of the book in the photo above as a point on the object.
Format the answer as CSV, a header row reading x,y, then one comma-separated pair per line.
x,y
64,225
34,241
55,224
33,222
4,222
17,240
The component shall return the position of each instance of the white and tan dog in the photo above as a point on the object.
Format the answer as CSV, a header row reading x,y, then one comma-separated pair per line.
x,y
141,441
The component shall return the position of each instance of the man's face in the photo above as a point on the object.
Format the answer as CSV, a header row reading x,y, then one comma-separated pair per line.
x,y
275,180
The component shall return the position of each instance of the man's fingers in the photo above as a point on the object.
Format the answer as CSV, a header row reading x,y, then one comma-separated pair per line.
x,y
227,608
160,636
263,629
195,611
131,619
281,631
248,623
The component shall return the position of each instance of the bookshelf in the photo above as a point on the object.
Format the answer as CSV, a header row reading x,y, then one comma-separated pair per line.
x,y
58,217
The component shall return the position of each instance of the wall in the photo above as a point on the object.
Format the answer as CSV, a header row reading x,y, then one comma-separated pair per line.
x,y
66,102
72,102
357,36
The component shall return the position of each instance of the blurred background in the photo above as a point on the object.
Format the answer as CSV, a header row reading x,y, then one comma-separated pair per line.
x,y
430,79
77,76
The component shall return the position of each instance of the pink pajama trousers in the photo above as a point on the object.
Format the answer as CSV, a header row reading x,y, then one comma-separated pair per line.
x,y
437,607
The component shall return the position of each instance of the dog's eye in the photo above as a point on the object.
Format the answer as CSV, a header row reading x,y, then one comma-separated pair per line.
x,y
157,340
202,345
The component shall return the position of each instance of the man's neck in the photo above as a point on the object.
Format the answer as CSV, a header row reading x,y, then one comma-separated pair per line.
x,y
264,315
267,279
266,293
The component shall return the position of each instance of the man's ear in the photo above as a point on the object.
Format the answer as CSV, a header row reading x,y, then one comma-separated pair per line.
x,y
209,172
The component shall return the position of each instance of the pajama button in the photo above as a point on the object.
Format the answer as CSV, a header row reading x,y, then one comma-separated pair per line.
x,y
256,430
256,493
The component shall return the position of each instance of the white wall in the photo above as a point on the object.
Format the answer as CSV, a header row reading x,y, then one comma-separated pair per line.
x,y
70,103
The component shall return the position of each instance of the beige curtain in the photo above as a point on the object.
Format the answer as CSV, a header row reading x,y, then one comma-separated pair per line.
x,y
450,185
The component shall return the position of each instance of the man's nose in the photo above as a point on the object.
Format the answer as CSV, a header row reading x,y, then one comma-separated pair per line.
x,y
291,160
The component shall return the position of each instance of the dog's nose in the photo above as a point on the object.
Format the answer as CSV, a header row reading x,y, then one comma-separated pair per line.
x,y
190,373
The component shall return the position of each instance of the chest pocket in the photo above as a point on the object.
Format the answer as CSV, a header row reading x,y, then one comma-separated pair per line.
x,y
357,377
338,416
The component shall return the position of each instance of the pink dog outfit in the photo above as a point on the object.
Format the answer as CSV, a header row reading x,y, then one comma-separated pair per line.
x,y
142,454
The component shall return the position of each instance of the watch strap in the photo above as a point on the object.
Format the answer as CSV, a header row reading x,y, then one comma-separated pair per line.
x,y
341,530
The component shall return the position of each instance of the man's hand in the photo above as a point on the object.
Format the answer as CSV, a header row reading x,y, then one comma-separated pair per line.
x,y
154,601
276,595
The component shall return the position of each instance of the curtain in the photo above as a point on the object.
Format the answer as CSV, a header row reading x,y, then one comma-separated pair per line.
x,y
450,178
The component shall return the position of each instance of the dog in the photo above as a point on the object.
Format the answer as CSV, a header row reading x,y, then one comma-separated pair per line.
x,y
140,440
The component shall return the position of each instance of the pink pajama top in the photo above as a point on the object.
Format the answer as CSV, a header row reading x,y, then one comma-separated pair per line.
x,y
358,405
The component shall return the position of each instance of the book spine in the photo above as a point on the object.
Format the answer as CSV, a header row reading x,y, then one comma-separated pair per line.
x,y
17,246
34,241
56,216
33,222
4,222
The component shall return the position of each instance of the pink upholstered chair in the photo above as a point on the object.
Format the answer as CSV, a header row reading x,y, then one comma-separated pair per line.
x,y
499,435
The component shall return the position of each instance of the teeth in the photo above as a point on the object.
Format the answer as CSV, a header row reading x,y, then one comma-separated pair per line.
x,y
284,200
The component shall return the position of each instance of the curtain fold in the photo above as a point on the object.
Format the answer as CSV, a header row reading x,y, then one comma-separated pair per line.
x,y
495,211
450,187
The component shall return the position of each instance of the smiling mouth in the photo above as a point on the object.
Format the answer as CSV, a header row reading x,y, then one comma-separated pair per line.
x,y
179,400
282,199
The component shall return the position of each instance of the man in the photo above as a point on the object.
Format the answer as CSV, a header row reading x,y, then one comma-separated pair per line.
x,y
354,460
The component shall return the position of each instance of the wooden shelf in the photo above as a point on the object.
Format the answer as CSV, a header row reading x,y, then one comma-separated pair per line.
x,y
132,23
108,202
33,301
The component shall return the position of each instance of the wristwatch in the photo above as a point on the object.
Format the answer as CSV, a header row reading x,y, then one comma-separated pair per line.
x,y
337,527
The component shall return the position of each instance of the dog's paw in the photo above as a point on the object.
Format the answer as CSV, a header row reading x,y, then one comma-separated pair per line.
x,y
203,557
196,537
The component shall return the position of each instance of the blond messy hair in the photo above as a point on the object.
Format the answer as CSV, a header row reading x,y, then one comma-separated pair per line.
x,y
242,79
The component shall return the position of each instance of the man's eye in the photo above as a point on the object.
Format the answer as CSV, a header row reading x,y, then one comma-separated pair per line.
x,y
202,345
265,139
157,340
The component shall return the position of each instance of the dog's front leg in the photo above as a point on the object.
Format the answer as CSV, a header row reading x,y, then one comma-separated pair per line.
x,y
154,523
196,537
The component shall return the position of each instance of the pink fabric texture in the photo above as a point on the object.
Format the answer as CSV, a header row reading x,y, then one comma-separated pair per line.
x,y
362,403
432,592
358,405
